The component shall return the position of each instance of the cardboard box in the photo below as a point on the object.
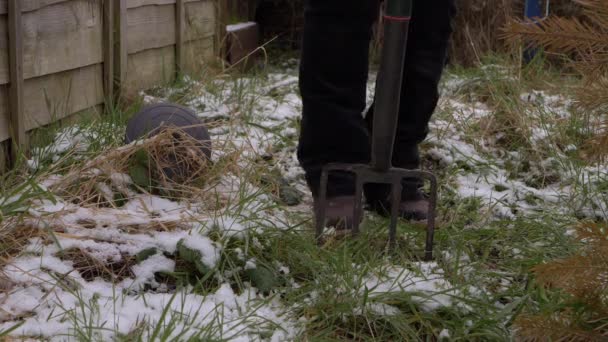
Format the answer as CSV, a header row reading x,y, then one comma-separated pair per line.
x,y
242,40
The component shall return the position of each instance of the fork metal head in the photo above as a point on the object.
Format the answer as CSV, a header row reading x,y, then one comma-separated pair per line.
x,y
365,174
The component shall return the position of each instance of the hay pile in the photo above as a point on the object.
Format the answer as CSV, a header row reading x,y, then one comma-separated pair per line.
x,y
91,195
171,164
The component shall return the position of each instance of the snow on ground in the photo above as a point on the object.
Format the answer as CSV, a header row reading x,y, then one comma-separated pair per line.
x,y
66,140
266,128
239,26
426,283
147,222
109,235
223,314
482,168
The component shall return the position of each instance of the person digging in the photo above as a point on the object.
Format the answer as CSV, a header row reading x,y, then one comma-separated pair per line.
x,y
333,82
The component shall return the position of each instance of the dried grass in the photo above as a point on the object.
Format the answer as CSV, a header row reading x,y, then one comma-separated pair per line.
x,y
478,27
584,41
91,268
14,236
105,182
170,163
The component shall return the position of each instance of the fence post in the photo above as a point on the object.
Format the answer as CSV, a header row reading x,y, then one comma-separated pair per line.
x,y
17,124
222,21
180,27
108,51
120,46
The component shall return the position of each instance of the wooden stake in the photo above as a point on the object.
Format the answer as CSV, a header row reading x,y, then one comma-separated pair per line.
x,y
108,51
180,21
120,46
17,118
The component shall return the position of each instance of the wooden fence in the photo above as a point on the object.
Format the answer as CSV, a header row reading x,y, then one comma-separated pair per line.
x,y
61,57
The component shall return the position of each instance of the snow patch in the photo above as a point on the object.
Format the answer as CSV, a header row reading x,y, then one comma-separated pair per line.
x,y
240,26
426,284
209,251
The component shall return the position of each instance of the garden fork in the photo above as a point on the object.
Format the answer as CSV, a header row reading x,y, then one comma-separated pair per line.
x,y
380,171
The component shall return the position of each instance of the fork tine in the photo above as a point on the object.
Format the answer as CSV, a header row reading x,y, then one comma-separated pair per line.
x,y
367,174
430,233
358,204
395,201
321,206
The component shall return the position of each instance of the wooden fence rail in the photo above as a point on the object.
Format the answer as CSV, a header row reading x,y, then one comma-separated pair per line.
x,y
62,57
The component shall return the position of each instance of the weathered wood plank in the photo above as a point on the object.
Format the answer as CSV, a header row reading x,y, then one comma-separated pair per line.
x,y
197,53
150,68
201,19
58,25
63,37
108,47
57,38
152,27
140,3
154,67
56,96
15,36
180,18
5,132
29,5
34,5
4,156
4,69
52,33
222,20
120,45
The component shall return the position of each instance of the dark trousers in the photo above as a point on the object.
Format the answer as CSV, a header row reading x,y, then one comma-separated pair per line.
x,y
333,83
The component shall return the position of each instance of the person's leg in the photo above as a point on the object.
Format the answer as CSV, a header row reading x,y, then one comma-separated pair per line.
x,y
427,48
333,78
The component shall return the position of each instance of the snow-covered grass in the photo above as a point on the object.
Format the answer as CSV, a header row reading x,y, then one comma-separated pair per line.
x,y
233,258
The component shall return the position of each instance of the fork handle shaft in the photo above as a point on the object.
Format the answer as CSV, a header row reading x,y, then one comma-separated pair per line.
x,y
399,8
390,79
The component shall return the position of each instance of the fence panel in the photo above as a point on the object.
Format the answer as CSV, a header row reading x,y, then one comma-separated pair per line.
x,y
78,53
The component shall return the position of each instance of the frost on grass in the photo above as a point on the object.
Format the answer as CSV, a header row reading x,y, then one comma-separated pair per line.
x,y
206,251
53,298
69,140
513,182
58,292
74,282
424,282
109,237
105,312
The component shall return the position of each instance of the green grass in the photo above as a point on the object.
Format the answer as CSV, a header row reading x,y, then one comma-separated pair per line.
x,y
487,261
